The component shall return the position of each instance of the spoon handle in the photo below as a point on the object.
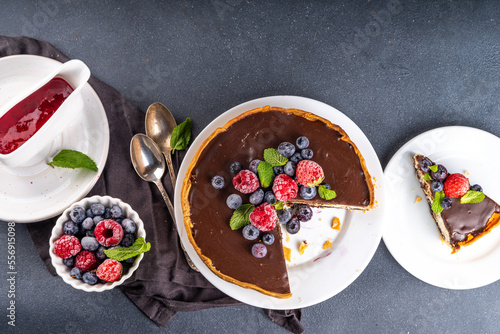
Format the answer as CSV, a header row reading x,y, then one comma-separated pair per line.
x,y
168,157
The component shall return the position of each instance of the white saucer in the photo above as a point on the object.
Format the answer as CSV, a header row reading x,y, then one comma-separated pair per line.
x,y
327,272
410,233
40,192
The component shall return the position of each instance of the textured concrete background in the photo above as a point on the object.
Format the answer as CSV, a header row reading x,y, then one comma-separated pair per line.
x,y
396,68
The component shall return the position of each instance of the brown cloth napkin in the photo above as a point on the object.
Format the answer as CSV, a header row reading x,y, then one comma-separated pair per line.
x,y
163,284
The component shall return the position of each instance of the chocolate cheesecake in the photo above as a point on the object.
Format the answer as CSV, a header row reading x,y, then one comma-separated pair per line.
x,y
459,224
243,139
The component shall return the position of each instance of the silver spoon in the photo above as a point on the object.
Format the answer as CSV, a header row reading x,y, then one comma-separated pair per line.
x,y
160,124
150,166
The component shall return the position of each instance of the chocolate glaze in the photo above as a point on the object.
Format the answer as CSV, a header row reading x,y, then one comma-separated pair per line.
x,y
244,141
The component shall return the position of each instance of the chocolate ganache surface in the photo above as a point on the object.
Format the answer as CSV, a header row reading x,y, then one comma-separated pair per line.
x,y
244,141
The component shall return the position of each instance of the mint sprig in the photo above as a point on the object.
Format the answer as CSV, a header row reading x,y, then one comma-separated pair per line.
x,y
241,216
279,205
123,253
266,173
73,159
434,168
181,135
436,204
272,157
326,193
427,177
472,196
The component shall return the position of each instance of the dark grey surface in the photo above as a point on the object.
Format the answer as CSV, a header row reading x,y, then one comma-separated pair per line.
x,y
396,68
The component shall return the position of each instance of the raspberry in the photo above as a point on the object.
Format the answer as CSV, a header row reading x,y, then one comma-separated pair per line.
x,y
67,246
246,182
456,185
264,217
86,261
108,232
309,173
110,270
284,187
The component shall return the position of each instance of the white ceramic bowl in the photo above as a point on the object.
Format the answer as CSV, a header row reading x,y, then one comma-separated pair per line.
x,y
57,232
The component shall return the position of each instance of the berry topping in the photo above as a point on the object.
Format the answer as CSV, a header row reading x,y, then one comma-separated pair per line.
x,y
116,212
476,187
128,240
293,226
88,223
100,253
424,166
304,213
286,149
97,219
446,203
234,201
284,187
76,273
67,246
441,174
257,197
97,209
278,170
306,153
436,186
302,142
284,215
128,226
259,250
70,228
86,261
269,197
89,243
218,182
108,232
307,192
296,157
253,165
110,270
264,217
268,238
69,262
250,232
456,185
309,173
77,214
289,168
246,182
90,278
235,168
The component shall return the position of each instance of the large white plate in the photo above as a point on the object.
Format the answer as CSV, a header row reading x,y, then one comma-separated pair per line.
x,y
410,233
40,192
311,281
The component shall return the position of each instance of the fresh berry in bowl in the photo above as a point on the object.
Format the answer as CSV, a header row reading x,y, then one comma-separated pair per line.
x,y
97,243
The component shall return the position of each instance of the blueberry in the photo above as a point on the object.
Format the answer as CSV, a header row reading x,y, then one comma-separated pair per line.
x,y
89,213
128,226
306,153
284,215
107,213
69,262
116,211
257,197
327,186
97,219
100,253
436,186
97,209
234,201
293,226
90,233
425,164
76,273
259,250
296,157
441,174
127,240
235,168
268,238
218,182
250,232
77,214
302,142
88,223
290,168
304,213
269,197
90,278
278,170
476,187
130,260
89,243
307,192
286,149
70,228
446,203
253,165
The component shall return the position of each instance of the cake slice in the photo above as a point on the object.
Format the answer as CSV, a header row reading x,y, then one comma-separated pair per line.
x,y
461,212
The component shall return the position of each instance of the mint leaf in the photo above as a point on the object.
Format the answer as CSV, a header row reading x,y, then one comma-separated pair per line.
x,y
73,159
181,135
123,253
434,168
241,216
427,177
326,193
436,204
472,197
272,157
266,173
279,205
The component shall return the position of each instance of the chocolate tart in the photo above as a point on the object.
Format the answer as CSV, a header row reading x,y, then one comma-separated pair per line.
x,y
462,224
243,139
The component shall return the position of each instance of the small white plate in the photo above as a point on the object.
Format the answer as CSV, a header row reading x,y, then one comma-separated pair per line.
x,y
39,192
410,233
330,271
